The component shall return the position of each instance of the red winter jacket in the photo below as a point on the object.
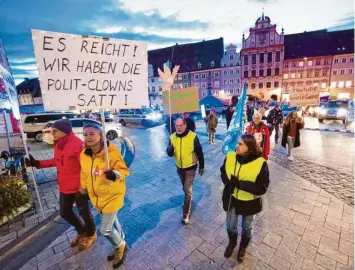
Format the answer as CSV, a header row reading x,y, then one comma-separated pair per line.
x,y
67,160
264,129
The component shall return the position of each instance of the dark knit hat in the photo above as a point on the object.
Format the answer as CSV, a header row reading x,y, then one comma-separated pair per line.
x,y
63,125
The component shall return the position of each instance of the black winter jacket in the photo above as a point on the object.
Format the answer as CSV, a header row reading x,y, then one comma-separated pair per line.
x,y
275,117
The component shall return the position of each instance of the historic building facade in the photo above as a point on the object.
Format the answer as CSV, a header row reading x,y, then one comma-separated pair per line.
x,y
199,79
262,57
231,71
155,88
342,76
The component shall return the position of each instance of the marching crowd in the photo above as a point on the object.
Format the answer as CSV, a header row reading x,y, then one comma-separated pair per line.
x,y
83,174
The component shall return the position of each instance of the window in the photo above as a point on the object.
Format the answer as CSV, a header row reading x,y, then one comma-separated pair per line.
x,y
342,71
231,72
212,63
216,83
261,73
278,56
225,82
341,84
237,80
253,59
300,64
276,84
199,65
185,77
253,86
231,57
336,61
197,84
203,85
253,73
197,76
285,76
293,75
203,76
231,64
310,63
309,74
237,71
154,97
317,62
324,85
268,85
161,88
333,84
216,74
316,73
216,93
231,90
350,71
152,80
179,77
153,88
277,71
148,90
326,62
299,75
245,60
293,64
261,58
261,85
343,60
335,72
186,85
348,84
268,72
231,81
245,74
325,73
203,93
269,57
351,59
286,65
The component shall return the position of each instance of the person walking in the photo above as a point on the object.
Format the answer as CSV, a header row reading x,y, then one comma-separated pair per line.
x,y
185,147
191,125
291,132
212,122
245,175
106,187
260,131
230,110
274,120
67,149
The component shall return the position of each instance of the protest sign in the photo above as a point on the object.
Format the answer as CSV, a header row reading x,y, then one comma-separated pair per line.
x,y
8,83
351,108
84,73
304,96
182,100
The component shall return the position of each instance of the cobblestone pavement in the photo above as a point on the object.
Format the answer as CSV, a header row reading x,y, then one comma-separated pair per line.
x,y
301,227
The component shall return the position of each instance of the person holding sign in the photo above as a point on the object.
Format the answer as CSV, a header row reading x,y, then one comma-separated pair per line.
x,y
66,159
291,132
245,175
185,146
260,131
106,187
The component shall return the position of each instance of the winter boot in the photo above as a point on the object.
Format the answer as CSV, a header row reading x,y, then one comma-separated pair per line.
x,y
120,255
231,245
244,242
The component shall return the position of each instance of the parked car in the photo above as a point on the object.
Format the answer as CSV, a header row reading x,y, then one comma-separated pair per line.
x,y
143,116
35,123
113,131
335,110
108,116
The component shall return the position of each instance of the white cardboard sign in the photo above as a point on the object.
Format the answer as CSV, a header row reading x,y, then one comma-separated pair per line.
x,y
83,73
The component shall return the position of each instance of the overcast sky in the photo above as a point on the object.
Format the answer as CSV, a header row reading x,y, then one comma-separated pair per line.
x,y
159,23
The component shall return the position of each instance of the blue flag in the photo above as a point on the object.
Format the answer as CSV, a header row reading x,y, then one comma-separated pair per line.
x,y
236,127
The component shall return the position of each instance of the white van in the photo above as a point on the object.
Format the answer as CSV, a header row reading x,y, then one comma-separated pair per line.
x,y
35,123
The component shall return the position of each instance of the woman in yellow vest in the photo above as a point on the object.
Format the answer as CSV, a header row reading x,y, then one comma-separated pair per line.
x,y
106,188
246,177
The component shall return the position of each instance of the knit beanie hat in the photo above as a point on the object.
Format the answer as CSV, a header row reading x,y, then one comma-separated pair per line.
x,y
63,125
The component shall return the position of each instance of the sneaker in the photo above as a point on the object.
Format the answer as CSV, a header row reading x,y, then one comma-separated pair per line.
x,y
290,158
111,256
87,242
185,219
76,240
120,255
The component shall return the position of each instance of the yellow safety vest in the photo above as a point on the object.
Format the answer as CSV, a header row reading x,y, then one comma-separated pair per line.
x,y
184,150
245,172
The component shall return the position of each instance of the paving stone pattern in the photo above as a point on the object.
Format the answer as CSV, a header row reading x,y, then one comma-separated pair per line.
x,y
301,227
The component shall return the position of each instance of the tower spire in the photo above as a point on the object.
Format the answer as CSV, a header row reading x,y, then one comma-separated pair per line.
x,y
262,16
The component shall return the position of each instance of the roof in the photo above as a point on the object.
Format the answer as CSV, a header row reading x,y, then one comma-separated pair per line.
x,y
212,102
31,85
319,43
188,55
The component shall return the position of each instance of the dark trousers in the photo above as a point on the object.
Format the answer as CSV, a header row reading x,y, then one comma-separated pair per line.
x,y
66,202
187,179
277,128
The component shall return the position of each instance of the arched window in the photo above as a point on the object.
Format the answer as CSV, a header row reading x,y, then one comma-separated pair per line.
x,y
212,63
198,65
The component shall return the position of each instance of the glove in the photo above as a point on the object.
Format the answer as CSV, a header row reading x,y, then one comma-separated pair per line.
x,y
112,175
235,181
201,171
171,149
31,162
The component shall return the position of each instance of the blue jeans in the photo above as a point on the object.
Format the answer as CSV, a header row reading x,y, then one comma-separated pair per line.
x,y
111,228
247,223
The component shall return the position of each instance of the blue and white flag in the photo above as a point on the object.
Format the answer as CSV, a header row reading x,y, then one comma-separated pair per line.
x,y
236,127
